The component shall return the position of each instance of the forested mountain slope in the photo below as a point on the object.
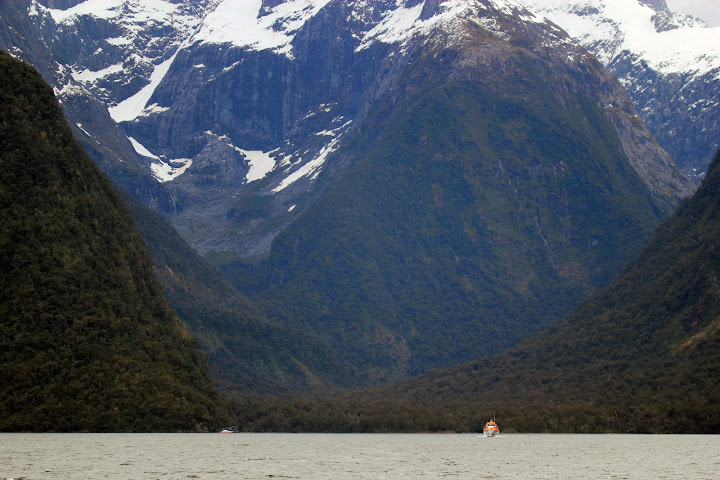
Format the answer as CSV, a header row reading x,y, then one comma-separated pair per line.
x,y
396,181
486,193
642,355
246,350
87,341
669,63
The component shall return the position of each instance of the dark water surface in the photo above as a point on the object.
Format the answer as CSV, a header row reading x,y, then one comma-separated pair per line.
x,y
357,456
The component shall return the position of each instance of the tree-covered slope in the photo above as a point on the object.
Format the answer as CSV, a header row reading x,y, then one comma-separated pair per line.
x,y
473,213
100,136
246,350
87,341
642,355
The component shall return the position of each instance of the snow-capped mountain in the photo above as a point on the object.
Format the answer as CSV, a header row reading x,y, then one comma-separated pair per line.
x,y
28,31
237,106
401,179
669,63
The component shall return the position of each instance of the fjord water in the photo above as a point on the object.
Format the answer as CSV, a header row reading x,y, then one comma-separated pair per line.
x,y
357,456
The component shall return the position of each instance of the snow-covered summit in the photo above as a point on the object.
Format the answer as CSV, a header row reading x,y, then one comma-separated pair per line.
x,y
243,108
123,46
261,25
669,63
250,24
667,42
405,18
130,11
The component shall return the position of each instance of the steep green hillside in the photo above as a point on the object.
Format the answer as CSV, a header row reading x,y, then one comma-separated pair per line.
x,y
642,355
246,350
467,220
87,341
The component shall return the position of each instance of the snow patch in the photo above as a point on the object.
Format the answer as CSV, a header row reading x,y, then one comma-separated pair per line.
x,y
163,170
243,24
402,23
398,25
119,41
227,69
310,169
139,148
131,108
69,89
33,9
517,8
260,163
492,26
333,132
90,76
611,27
328,133
170,170
153,109
79,125
98,8
137,12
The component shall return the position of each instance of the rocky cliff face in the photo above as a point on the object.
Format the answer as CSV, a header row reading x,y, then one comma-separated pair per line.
x,y
669,63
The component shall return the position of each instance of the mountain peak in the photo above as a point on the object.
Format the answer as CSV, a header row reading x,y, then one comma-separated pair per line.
x,y
60,4
470,139
257,24
669,63
657,5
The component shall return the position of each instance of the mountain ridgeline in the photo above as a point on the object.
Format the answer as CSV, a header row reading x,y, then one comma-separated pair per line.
x,y
485,194
87,341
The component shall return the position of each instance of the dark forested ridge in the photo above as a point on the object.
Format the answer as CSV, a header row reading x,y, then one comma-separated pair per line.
x,y
87,341
642,355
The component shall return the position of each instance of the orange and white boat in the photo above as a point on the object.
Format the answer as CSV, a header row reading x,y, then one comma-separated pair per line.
x,y
491,428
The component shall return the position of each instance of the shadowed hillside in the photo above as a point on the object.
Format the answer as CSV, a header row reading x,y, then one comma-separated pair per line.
x,y
246,350
87,341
